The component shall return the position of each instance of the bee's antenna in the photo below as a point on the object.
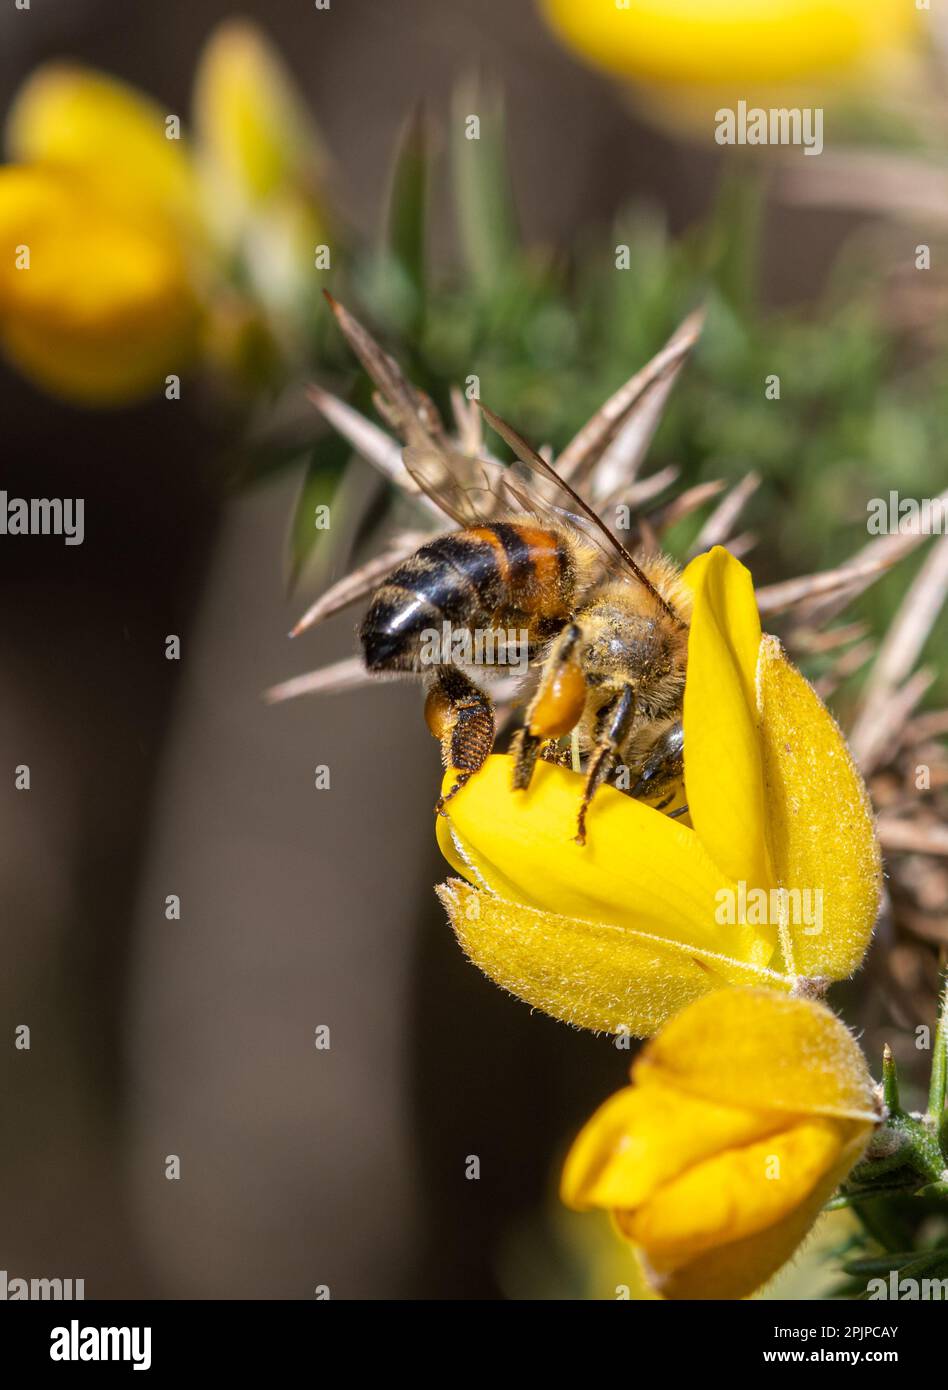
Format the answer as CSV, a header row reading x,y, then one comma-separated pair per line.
x,y
532,459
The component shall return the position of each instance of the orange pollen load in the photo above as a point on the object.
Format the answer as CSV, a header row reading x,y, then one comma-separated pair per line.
x,y
439,713
560,705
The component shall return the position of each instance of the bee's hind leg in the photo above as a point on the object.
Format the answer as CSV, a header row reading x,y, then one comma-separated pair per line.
x,y
612,729
461,715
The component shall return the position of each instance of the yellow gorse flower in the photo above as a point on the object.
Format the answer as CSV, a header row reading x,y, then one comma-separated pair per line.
x,y
689,57
746,1112
652,912
114,237
98,294
690,41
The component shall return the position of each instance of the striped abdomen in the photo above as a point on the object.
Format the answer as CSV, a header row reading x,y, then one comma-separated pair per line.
x,y
500,574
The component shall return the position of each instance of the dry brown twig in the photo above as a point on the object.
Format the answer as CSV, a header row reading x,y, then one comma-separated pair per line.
x,y
897,656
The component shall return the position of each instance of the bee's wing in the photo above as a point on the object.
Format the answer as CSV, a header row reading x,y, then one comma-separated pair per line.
x,y
476,491
470,491
568,504
521,484
473,491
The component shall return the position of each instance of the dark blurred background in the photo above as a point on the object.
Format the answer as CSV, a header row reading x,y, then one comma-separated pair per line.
x,y
300,908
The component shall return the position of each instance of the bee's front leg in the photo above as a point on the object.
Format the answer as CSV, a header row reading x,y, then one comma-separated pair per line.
x,y
461,715
555,709
612,729
662,767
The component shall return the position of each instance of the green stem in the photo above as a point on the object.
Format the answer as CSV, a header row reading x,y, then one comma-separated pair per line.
x,y
939,1078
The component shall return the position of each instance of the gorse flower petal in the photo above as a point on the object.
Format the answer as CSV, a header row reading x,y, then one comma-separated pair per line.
x,y
69,118
262,168
746,1112
745,1194
724,777
641,1139
819,821
593,975
765,1051
257,141
638,869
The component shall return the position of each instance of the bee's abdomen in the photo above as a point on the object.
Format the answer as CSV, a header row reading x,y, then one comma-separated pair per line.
x,y
536,567
450,580
468,579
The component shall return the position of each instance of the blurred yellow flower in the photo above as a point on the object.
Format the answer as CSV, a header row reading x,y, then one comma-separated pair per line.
x,y
115,236
692,55
747,1111
262,168
98,293
95,305
653,912
255,136
728,40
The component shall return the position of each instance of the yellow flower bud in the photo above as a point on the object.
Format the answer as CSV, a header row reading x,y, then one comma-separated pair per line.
x,y
746,1112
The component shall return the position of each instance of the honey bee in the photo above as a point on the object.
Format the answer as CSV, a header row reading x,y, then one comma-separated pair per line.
x,y
608,631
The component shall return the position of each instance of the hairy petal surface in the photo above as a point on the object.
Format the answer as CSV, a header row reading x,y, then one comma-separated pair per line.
x,y
595,975
820,822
